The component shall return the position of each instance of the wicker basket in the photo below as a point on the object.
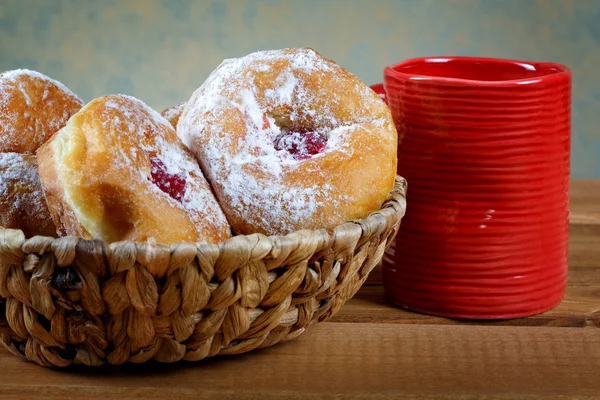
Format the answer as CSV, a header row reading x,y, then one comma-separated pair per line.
x,y
69,300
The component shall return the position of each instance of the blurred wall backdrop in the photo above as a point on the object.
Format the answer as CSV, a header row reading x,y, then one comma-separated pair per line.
x,y
161,50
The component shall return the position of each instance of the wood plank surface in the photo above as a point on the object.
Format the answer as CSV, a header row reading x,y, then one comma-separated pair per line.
x,y
355,361
374,350
584,216
585,202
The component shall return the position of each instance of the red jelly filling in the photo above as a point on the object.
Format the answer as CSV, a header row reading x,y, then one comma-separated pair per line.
x,y
301,144
173,185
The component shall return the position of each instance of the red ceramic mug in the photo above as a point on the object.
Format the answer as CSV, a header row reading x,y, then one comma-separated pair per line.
x,y
484,145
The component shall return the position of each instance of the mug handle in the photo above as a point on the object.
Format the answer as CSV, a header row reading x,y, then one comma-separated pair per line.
x,y
378,88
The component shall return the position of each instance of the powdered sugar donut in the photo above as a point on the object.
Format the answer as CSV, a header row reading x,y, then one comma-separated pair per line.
x,y
32,108
290,140
22,203
173,113
117,171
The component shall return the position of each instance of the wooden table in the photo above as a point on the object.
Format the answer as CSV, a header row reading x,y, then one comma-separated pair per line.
x,y
374,350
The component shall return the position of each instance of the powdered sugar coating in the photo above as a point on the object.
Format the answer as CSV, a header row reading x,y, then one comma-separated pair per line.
x,y
22,203
141,119
32,108
104,158
173,113
232,121
301,145
17,172
16,74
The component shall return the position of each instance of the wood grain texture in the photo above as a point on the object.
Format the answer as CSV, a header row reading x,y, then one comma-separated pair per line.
x,y
339,360
373,350
585,207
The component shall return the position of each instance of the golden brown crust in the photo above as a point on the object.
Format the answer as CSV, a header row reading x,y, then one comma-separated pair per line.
x,y
32,108
232,122
97,174
22,203
64,220
173,113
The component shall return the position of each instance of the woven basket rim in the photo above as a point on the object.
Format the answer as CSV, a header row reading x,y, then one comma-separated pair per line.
x,y
73,300
396,199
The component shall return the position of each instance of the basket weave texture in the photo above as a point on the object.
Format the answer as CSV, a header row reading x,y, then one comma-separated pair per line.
x,y
70,300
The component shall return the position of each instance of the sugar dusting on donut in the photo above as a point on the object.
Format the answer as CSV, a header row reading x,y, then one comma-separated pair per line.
x,y
21,196
173,172
16,172
285,127
32,108
173,113
18,73
301,144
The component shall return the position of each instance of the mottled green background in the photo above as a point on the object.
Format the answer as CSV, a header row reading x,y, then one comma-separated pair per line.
x,y
161,50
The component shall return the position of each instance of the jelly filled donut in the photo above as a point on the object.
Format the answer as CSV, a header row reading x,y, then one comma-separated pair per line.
x,y
173,113
290,140
22,203
32,108
117,171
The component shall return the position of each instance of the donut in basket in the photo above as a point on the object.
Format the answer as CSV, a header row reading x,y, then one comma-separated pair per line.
x,y
232,222
32,108
117,171
289,141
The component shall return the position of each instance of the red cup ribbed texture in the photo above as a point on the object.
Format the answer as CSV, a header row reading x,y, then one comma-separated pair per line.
x,y
487,164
